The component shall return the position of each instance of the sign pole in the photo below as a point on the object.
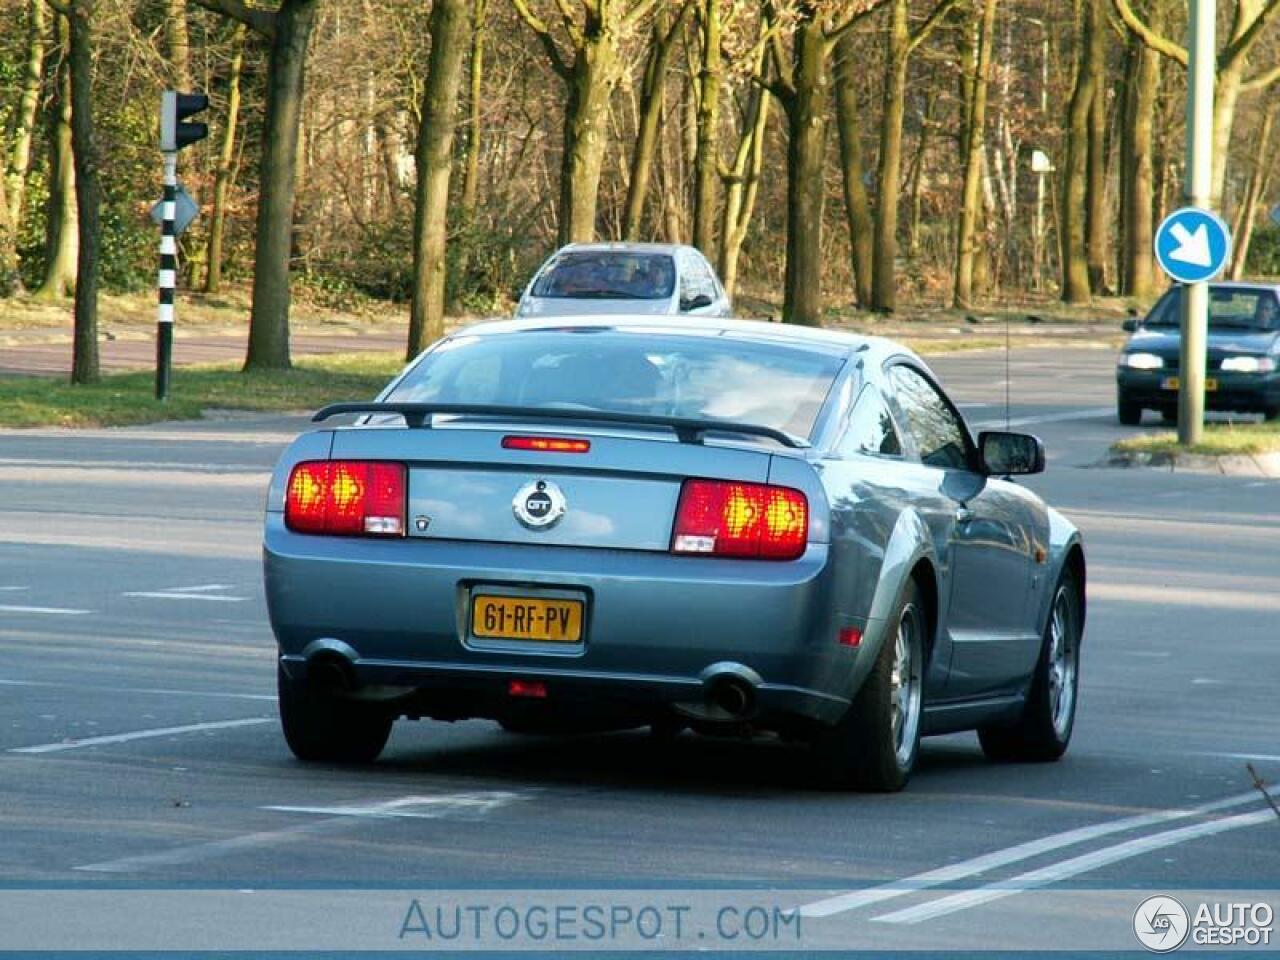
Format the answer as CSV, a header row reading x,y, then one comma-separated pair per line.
x,y
168,276
1199,180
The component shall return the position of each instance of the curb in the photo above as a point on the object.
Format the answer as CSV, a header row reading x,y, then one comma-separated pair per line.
x,y
1227,465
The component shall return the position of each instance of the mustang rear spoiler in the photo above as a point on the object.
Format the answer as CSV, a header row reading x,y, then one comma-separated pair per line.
x,y
687,430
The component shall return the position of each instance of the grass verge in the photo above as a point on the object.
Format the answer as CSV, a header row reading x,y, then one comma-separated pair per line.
x,y
1223,439
128,398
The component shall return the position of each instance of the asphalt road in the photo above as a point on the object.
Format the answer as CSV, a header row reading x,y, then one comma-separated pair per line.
x,y
138,746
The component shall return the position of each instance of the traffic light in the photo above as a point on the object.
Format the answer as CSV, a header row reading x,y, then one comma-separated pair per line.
x,y
175,132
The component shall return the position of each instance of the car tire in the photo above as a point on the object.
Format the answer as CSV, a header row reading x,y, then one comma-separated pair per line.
x,y
322,728
1043,731
1128,412
875,745
1169,415
1270,413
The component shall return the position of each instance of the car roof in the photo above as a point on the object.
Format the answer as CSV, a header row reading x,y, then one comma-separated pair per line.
x,y
1245,285
830,341
627,247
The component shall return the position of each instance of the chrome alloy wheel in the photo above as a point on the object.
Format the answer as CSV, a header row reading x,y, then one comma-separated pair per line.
x,y
905,684
1062,662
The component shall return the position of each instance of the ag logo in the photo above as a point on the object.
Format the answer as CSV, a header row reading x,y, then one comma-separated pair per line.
x,y
539,505
1161,924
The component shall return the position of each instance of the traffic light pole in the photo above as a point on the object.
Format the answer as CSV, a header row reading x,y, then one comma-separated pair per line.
x,y
1199,182
168,276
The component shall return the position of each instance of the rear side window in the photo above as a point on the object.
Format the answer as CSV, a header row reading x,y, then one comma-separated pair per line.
x,y
607,275
696,280
638,372
871,430
939,435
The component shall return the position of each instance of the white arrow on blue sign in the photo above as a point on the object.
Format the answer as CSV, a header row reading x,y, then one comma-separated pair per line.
x,y
1193,245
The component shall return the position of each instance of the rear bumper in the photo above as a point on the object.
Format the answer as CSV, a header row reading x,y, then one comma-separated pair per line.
x,y
398,612
1236,391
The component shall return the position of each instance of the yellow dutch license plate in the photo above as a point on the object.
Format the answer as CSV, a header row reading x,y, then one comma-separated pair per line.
x,y
526,618
1173,383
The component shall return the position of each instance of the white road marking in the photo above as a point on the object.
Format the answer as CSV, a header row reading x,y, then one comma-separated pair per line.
x,y
1084,863
1015,854
205,591
1245,756
140,690
52,611
1047,418
141,735
13,589
435,807
162,595
445,805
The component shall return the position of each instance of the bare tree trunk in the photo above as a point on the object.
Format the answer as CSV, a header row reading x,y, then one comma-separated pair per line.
x,y
1075,266
449,26
884,292
1263,165
857,205
672,227
62,236
916,190
177,43
652,95
806,153
471,164
18,162
1096,220
269,320
707,158
975,140
742,187
226,156
586,138
84,364
1137,153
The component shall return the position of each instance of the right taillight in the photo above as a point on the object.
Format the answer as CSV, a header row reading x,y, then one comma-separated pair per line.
x,y
346,498
725,519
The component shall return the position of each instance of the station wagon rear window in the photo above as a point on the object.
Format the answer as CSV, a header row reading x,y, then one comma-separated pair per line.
x,y
672,375
608,275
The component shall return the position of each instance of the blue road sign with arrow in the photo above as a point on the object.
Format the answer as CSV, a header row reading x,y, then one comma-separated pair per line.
x,y
1193,245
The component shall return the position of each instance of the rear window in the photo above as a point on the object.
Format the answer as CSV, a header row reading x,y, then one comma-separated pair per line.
x,y
666,375
608,275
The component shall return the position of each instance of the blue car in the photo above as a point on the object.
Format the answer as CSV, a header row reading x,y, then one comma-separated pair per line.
x,y
708,525
1241,372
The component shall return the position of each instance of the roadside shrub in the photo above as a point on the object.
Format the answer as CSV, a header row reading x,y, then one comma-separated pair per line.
x,y
1264,253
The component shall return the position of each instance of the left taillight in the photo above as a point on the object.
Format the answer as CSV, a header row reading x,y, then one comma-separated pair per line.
x,y
354,498
754,520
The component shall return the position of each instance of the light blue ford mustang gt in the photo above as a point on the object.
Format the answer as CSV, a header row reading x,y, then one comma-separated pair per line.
x,y
601,523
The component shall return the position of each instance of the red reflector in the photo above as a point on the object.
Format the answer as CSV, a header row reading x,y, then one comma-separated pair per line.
x,y
547,444
346,498
850,636
741,520
527,688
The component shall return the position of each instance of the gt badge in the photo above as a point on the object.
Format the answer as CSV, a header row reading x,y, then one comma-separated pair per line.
x,y
539,505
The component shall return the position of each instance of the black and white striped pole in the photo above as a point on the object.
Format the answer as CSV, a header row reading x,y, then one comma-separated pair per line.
x,y
168,275
175,134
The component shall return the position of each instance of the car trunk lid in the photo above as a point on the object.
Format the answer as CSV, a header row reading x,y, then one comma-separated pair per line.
x,y
620,494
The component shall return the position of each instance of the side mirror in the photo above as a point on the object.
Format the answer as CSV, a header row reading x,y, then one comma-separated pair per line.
x,y
1130,325
695,303
1008,454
